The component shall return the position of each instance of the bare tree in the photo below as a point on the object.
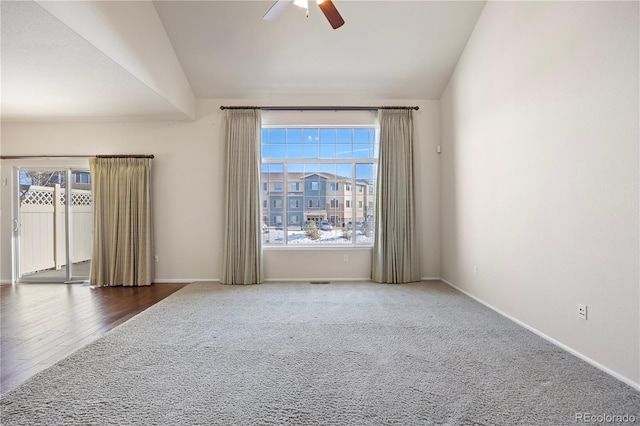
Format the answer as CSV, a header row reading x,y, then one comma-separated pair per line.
x,y
29,178
42,178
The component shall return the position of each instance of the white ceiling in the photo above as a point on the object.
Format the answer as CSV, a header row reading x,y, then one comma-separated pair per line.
x,y
115,60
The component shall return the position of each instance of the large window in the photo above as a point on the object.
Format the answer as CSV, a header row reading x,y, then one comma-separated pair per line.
x,y
319,166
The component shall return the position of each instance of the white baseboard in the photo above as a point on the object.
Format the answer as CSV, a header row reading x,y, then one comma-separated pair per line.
x,y
306,280
156,281
217,280
550,339
336,279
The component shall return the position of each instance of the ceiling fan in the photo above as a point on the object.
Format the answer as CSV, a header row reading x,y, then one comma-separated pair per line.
x,y
327,7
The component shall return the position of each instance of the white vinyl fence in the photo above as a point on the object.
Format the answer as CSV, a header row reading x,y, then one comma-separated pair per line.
x,y
42,236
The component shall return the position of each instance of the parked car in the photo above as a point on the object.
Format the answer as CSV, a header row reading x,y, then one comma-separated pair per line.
x,y
325,225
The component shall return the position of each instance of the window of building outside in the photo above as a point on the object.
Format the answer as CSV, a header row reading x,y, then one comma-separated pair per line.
x,y
318,166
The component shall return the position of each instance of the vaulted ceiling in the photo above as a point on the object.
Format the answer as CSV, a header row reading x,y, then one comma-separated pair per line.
x,y
84,60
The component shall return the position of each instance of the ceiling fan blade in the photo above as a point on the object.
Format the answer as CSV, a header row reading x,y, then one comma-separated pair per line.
x,y
276,9
332,14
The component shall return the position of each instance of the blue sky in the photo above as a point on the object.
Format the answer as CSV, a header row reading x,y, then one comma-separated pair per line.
x,y
342,143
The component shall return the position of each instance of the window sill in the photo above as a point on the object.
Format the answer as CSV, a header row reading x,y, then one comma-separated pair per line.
x,y
304,247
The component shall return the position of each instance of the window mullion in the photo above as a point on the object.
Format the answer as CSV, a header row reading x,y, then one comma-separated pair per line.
x,y
353,203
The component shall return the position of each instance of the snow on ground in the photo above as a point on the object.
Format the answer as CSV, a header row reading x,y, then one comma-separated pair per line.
x,y
335,236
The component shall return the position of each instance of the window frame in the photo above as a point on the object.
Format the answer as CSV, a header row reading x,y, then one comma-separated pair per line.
x,y
349,196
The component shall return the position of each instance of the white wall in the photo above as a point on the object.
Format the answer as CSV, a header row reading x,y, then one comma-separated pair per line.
x,y
186,173
540,173
188,179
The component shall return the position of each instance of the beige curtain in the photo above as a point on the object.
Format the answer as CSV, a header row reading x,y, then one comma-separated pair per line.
x,y
123,237
243,237
396,257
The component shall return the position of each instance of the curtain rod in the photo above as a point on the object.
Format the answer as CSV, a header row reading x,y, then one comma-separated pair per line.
x,y
21,157
319,108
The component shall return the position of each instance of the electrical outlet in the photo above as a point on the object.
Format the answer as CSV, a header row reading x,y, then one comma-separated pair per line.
x,y
345,258
582,311
475,270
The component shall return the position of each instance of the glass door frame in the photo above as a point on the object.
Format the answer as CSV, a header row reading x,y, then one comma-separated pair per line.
x,y
16,225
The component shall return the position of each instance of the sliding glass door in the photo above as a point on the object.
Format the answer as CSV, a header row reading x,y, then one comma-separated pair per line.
x,y
52,224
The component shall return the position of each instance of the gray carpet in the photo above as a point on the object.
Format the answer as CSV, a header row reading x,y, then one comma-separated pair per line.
x,y
304,354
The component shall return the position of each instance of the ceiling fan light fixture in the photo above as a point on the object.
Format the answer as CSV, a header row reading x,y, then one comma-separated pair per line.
x,y
302,3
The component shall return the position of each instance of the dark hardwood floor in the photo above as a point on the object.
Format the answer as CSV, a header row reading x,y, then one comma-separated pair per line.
x,y
42,323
